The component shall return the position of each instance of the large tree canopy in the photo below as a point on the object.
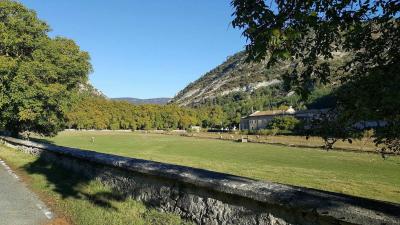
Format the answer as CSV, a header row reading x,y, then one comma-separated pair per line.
x,y
39,75
311,32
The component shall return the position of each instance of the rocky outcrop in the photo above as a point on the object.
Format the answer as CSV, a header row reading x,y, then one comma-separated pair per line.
x,y
233,75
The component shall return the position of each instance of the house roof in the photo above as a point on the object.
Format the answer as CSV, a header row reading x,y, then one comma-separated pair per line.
x,y
313,111
267,113
290,111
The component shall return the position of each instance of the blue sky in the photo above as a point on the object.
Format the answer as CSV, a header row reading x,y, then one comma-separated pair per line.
x,y
145,49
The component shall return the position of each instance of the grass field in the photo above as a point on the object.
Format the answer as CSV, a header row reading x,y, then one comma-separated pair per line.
x,y
78,201
364,145
359,174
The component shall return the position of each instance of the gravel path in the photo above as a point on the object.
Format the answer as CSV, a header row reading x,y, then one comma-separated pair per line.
x,y
18,205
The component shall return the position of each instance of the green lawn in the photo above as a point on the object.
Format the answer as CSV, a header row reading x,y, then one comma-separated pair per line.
x,y
359,174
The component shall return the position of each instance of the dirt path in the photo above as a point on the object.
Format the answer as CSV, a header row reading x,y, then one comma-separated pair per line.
x,y
18,205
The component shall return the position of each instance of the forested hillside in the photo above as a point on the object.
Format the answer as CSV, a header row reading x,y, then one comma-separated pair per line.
x,y
234,75
240,87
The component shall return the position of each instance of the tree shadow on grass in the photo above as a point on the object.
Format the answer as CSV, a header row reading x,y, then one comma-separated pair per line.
x,y
41,140
70,184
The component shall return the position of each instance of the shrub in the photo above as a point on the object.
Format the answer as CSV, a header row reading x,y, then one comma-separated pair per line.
x,y
283,123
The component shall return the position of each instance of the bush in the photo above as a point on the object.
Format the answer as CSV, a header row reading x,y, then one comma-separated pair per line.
x,y
287,123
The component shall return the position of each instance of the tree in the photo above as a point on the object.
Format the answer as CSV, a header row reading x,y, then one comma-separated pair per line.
x,y
283,123
39,75
311,33
329,127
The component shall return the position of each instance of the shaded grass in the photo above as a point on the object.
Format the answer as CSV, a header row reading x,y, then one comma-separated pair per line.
x,y
365,175
81,202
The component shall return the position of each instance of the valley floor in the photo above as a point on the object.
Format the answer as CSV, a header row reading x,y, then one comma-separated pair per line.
x,y
365,175
363,145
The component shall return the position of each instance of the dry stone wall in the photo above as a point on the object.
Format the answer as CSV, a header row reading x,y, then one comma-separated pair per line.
x,y
208,197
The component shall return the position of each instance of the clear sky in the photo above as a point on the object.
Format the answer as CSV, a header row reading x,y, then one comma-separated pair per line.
x,y
142,48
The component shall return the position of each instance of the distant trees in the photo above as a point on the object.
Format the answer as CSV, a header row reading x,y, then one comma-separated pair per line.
x,y
39,75
92,112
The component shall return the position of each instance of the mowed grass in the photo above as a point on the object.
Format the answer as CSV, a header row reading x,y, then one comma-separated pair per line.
x,y
358,174
79,201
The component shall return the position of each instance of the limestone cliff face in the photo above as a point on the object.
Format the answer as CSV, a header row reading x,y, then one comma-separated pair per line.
x,y
233,75
88,89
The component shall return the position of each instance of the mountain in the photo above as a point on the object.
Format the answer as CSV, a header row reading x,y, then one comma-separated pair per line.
x,y
237,80
89,90
138,101
232,76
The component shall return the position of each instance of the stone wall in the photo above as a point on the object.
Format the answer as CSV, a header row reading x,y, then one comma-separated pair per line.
x,y
207,197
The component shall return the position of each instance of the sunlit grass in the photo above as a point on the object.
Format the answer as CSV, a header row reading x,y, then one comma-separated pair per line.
x,y
359,174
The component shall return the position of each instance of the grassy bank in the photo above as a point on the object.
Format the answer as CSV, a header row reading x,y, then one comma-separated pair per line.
x,y
79,201
366,175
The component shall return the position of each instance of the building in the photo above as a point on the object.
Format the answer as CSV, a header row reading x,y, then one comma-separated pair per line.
x,y
310,114
195,128
260,119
